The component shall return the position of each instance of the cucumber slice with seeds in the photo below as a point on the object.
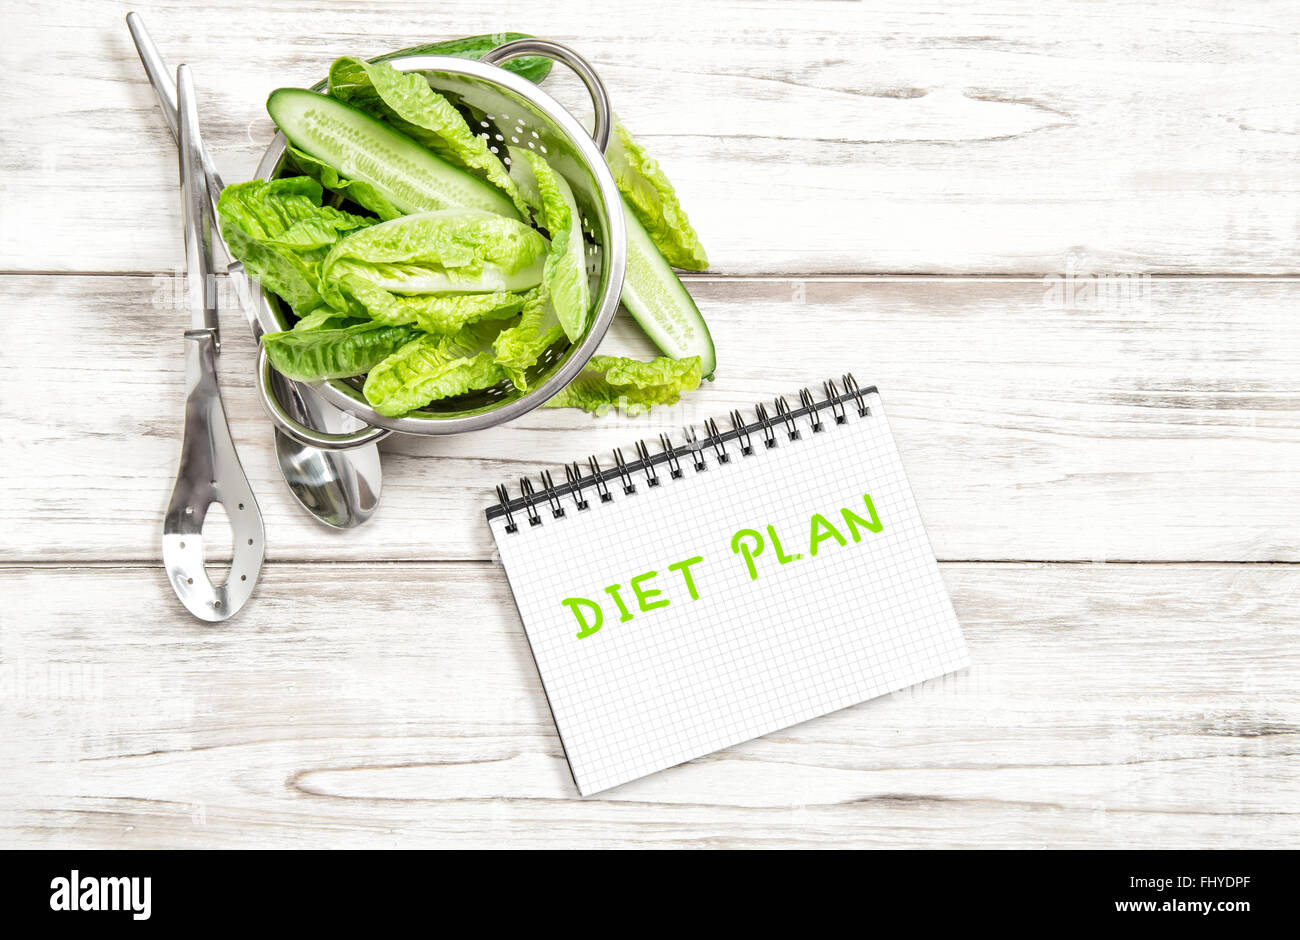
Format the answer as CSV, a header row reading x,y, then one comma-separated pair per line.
x,y
656,297
362,148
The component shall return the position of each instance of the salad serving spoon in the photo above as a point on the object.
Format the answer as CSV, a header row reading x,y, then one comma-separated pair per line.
x,y
340,488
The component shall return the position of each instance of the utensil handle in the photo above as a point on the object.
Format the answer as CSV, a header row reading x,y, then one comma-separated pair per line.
x,y
200,225
603,124
160,77
300,432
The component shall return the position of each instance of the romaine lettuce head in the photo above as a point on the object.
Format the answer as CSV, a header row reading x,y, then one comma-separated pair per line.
x,y
281,233
405,100
518,348
319,354
447,251
566,265
442,314
652,199
628,384
432,367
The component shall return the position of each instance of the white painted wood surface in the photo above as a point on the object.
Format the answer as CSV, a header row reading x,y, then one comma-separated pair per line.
x,y
803,136
386,705
1168,428
1111,484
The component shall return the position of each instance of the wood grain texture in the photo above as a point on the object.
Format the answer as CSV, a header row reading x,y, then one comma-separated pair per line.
x,y
1168,429
803,136
1108,705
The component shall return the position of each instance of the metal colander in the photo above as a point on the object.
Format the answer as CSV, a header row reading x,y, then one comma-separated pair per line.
x,y
511,112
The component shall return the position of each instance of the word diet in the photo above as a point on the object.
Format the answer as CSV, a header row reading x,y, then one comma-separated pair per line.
x,y
748,544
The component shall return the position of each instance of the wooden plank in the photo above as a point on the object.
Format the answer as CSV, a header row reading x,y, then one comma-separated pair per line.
x,y
1162,428
396,705
803,136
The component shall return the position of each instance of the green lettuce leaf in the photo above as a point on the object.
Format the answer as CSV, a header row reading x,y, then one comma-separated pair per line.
x,y
448,251
282,233
432,367
518,348
405,100
521,171
628,384
653,201
326,318
359,191
433,313
566,264
533,68
315,355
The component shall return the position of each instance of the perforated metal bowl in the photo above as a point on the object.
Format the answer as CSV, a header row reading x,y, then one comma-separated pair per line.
x,y
512,112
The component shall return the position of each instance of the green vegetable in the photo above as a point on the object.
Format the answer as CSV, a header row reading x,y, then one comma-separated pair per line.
x,y
281,232
405,101
359,147
653,201
432,313
362,193
325,318
656,297
628,384
566,265
521,171
450,291
518,348
315,355
432,367
533,68
454,250
316,319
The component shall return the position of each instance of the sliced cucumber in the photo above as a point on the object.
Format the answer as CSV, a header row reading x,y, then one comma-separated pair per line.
x,y
656,297
361,148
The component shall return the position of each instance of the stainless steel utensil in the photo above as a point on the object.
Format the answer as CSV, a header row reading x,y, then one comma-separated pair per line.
x,y
209,471
511,112
339,488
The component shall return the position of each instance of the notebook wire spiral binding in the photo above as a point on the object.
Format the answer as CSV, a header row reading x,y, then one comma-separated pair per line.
x,y
626,475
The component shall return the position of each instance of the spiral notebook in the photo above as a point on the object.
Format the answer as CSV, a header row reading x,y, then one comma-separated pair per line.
x,y
717,588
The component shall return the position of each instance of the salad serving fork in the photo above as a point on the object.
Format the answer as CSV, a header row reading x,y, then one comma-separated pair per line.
x,y
209,471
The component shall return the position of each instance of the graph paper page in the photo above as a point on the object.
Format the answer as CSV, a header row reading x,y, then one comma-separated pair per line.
x,y
770,639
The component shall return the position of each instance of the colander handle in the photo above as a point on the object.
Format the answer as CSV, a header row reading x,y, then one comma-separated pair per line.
x,y
300,432
553,50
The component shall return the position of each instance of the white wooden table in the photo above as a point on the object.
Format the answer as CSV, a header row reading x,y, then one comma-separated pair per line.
x,y
921,196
